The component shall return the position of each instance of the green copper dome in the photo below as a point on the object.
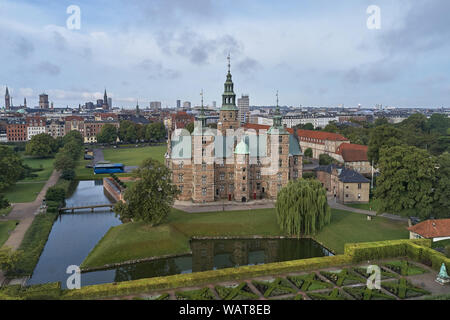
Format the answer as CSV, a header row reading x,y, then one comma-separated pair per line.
x,y
242,148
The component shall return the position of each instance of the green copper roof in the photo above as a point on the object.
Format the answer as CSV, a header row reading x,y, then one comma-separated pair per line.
x,y
294,146
241,148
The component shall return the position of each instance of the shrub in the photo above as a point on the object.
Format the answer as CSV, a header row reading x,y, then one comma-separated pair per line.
x,y
55,194
68,174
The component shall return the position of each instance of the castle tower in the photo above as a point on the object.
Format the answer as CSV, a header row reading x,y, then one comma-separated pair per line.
x,y
7,99
203,173
241,172
278,152
228,118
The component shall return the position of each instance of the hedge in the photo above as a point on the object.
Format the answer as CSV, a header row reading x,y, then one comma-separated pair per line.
x,y
48,291
201,278
381,249
418,250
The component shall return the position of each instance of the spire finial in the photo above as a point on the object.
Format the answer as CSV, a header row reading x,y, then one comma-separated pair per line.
x,y
229,62
201,94
277,98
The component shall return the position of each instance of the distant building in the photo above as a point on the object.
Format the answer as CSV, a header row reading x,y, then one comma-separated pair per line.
x,y
110,105
292,120
105,105
436,230
43,101
178,104
180,120
186,105
35,125
16,130
354,156
55,128
7,100
243,106
155,105
345,185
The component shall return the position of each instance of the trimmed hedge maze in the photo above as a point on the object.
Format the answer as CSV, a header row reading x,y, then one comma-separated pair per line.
x,y
239,291
404,268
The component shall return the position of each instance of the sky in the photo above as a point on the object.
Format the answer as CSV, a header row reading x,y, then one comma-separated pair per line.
x,y
314,52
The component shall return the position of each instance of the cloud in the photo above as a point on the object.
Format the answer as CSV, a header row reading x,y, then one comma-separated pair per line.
x,y
48,68
248,65
23,47
425,27
156,70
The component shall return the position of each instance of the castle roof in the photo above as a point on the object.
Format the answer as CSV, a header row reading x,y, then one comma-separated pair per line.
x,y
352,152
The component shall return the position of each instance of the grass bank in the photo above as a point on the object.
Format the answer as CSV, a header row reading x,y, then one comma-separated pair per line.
x,y
137,240
33,243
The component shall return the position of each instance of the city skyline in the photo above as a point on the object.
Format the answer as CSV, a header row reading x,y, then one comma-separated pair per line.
x,y
315,53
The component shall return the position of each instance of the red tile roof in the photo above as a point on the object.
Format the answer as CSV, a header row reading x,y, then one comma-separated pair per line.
x,y
352,152
303,134
432,228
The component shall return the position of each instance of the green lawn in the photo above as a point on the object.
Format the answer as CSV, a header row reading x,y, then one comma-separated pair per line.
x,y
134,156
24,192
348,227
137,240
27,189
45,164
373,204
5,211
5,228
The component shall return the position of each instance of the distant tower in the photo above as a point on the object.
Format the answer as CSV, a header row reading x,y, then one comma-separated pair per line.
x,y
105,101
7,99
138,112
43,101
25,103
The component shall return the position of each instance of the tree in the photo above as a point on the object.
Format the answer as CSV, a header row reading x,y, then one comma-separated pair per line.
x,y
151,197
63,161
302,207
405,185
41,145
73,149
383,136
155,132
12,168
325,159
75,136
439,123
441,204
4,203
127,131
8,258
108,134
68,174
308,153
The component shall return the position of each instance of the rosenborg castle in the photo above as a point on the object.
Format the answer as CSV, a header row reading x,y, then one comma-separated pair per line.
x,y
234,162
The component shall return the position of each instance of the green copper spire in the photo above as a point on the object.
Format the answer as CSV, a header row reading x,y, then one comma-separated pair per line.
x,y
202,116
229,97
277,121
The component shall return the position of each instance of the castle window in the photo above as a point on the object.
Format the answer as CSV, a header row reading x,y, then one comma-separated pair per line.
x,y
204,179
280,150
180,177
243,169
222,176
181,189
243,189
359,185
280,138
231,187
203,166
222,188
230,175
280,163
280,176
279,186
295,160
180,166
258,186
204,192
258,175
295,173
243,178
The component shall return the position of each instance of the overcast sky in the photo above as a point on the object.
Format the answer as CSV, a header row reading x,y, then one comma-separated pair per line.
x,y
315,52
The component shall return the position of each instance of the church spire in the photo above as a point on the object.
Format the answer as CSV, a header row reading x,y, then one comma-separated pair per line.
x,y
202,116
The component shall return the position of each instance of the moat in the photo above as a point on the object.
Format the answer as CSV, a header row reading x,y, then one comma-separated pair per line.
x,y
73,236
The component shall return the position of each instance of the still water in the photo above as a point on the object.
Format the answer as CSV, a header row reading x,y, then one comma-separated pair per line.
x,y
73,236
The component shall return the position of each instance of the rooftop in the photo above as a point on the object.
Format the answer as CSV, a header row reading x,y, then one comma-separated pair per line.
x,y
432,228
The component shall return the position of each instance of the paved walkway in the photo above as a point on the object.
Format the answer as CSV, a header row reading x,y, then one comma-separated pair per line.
x,y
98,156
335,205
191,207
25,213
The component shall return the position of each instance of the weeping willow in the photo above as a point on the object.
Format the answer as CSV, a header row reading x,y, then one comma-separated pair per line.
x,y
302,208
